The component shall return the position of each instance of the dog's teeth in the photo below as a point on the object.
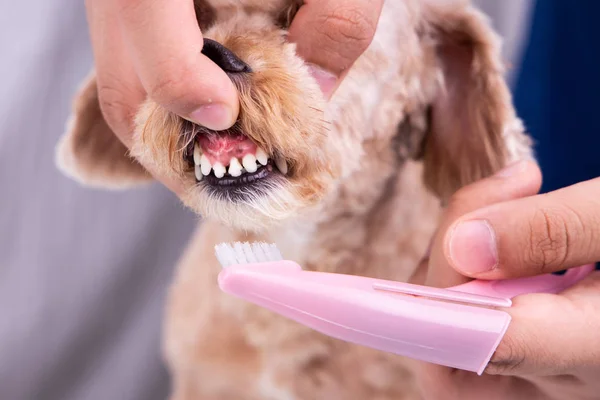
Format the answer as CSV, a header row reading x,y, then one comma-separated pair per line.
x,y
197,154
219,170
198,172
235,168
261,156
205,166
281,165
249,162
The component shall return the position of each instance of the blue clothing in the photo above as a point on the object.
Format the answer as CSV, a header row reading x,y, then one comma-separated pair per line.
x,y
558,90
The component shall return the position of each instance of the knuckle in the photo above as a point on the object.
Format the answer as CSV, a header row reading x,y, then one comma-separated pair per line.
x,y
462,198
550,236
507,359
168,87
584,229
458,198
116,111
350,27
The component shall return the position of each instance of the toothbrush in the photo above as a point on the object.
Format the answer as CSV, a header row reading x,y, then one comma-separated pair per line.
x,y
458,327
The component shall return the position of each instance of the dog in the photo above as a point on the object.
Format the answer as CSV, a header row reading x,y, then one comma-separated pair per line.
x,y
352,185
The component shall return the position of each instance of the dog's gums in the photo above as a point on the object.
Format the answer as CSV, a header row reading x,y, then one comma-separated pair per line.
x,y
230,164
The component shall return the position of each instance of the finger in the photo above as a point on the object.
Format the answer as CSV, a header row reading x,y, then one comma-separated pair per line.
x,y
165,44
518,180
548,336
436,382
119,90
552,334
332,34
530,236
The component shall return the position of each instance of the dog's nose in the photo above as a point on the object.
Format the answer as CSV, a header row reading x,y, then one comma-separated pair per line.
x,y
224,57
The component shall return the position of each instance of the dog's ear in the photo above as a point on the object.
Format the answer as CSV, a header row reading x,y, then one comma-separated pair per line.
x,y
471,110
285,16
90,153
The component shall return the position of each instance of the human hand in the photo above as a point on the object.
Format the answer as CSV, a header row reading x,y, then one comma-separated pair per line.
x,y
332,34
552,348
145,48
153,47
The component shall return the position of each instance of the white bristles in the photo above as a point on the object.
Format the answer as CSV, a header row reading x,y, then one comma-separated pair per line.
x,y
246,253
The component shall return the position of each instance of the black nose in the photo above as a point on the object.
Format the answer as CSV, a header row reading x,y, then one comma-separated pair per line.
x,y
224,57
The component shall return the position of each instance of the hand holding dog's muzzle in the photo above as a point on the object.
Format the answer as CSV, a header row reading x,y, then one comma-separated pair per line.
x,y
154,47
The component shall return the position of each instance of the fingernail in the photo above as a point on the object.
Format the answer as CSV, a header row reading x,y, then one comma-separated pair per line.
x,y
325,79
473,247
214,116
512,169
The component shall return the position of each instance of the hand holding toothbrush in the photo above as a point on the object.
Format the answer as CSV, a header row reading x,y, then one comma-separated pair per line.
x,y
499,228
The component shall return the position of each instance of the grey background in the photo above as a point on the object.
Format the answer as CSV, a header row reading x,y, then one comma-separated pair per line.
x,y
83,273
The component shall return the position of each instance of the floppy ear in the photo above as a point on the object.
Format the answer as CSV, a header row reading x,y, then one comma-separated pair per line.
x,y
90,153
473,129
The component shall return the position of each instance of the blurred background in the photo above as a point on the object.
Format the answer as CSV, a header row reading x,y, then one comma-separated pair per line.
x,y
84,273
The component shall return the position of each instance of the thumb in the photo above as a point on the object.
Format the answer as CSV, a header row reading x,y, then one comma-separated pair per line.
x,y
515,181
530,236
332,34
164,43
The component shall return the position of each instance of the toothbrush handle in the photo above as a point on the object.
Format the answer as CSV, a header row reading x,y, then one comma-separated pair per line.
x,y
549,283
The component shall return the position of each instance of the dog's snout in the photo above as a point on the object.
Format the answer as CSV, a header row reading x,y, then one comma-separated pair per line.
x,y
224,57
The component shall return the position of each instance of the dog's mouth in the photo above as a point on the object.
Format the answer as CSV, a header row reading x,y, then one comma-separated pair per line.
x,y
229,160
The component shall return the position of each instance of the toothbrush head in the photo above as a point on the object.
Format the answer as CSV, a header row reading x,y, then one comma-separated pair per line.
x,y
246,253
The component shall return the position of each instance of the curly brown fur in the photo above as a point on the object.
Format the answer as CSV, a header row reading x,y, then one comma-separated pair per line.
x,y
90,153
423,112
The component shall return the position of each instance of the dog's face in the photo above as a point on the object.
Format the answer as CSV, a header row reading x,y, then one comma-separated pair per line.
x,y
437,64
274,160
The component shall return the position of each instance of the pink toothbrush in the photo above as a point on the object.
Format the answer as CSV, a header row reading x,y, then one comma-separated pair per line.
x,y
457,327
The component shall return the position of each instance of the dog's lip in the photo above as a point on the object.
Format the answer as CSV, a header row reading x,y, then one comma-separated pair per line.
x,y
243,181
243,188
